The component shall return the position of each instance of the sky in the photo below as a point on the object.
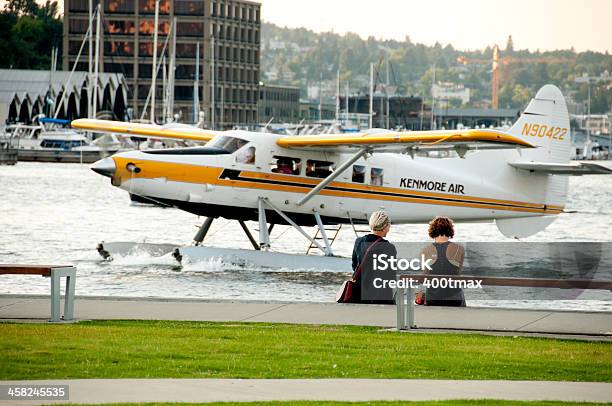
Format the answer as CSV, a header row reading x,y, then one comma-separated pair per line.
x,y
465,24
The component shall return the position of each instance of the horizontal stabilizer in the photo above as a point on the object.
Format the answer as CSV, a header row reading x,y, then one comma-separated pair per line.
x,y
573,168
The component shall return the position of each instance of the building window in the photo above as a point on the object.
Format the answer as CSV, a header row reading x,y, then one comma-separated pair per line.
x,y
78,26
144,71
146,49
186,50
186,72
147,27
184,7
119,48
119,6
127,69
190,29
79,5
120,27
148,6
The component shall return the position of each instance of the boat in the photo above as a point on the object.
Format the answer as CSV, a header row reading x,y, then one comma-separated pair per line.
x,y
38,143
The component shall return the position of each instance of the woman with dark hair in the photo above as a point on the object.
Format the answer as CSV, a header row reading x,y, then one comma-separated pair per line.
x,y
446,259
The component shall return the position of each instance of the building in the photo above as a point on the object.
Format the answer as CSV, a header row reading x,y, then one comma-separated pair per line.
x,y
596,124
314,112
449,91
452,118
24,94
281,103
231,27
406,112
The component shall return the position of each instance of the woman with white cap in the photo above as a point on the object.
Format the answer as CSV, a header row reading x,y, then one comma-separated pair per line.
x,y
363,253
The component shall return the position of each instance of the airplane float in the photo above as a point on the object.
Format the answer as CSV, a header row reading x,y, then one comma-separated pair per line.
x,y
517,178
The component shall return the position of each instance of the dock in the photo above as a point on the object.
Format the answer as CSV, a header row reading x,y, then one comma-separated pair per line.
x,y
8,149
546,323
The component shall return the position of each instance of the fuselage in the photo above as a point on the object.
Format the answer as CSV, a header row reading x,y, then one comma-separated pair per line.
x,y
228,176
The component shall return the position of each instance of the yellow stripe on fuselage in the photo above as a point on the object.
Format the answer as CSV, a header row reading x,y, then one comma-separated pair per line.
x,y
211,175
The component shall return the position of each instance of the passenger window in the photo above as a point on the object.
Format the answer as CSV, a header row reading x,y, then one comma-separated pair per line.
x,y
359,172
319,169
376,177
287,165
246,155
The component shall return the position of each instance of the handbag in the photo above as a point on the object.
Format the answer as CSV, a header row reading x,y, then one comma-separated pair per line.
x,y
345,293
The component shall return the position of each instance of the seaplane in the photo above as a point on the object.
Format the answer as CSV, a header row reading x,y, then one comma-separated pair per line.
x,y
517,178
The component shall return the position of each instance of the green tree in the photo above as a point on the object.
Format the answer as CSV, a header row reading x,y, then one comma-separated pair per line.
x,y
28,33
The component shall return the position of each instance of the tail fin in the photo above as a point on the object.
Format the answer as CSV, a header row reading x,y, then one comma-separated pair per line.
x,y
545,123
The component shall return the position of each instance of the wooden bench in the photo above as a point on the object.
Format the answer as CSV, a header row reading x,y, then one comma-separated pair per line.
x,y
55,272
404,297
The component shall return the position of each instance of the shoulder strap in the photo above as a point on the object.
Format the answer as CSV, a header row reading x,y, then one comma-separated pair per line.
x,y
365,254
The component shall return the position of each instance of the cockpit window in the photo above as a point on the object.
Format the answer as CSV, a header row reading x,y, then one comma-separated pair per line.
x,y
230,144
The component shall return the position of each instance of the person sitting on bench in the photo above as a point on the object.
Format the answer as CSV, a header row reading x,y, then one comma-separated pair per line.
x,y
446,259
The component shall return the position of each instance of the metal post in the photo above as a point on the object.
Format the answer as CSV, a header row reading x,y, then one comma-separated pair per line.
x,y
328,248
69,298
410,309
201,234
399,307
264,237
55,296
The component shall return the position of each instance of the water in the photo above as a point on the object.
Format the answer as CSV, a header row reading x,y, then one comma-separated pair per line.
x,y
58,213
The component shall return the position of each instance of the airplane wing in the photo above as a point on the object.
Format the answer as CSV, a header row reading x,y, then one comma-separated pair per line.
x,y
572,168
171,131
407,142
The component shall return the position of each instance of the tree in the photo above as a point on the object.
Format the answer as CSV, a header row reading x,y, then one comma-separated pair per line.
x,y
28,33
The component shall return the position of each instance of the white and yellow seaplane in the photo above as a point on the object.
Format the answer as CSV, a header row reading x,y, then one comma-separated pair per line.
x,y
517,178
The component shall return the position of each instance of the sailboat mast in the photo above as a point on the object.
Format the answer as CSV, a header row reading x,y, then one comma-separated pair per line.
x,y
171,73
212,78
196,96
371,95
154,66
90,62
96,64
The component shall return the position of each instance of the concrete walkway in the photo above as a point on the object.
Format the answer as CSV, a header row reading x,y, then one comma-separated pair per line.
x,y
220,390
511,321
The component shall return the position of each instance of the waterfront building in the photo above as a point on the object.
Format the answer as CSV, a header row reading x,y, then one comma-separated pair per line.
x,y
24,94
230,27
281,103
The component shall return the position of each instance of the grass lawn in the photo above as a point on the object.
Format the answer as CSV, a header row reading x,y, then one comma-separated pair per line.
x,y
442,403
169,349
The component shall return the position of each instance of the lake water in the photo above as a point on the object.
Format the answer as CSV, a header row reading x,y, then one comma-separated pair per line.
x,y
58,213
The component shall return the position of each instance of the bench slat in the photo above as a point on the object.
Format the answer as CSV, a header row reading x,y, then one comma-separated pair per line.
x,y
43,270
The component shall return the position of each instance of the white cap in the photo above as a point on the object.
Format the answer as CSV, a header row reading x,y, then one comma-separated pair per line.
x,y
379,220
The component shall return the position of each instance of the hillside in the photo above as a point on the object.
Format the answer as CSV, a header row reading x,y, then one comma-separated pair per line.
x,y
303,58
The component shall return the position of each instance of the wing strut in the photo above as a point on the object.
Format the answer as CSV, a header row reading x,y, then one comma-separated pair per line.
x,y
333,176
